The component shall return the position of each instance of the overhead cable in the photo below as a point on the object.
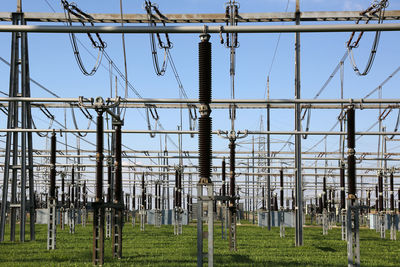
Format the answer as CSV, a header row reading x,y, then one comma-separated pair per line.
x,y
376,7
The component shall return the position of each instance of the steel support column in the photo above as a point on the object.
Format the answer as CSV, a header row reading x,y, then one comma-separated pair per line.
x,y
19,43
98,209
298,172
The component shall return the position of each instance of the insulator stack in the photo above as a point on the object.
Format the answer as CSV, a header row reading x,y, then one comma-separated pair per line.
x,y
99,156
73,185
156,193
380,188
391,192
180,188
143,193
263,198
398,204
293,200
109,181
281,184
320,208
376,198
369,200
84,194
205,66
325,194
149,202
205,122
133,197
176,188
223,178
342,187
232,187
63,189
69,197
275,202
118,198
351,159
53,167
78,197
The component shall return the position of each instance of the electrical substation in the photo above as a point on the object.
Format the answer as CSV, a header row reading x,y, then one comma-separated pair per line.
x,y
198,124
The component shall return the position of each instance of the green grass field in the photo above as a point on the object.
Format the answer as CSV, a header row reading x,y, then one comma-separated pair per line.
x,y
159,247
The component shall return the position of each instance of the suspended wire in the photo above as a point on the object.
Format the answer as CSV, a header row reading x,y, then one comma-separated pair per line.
x,y
99,44
383,83
130,86
178,79
160,71
333,74
47,2
397,125
373,9
277,45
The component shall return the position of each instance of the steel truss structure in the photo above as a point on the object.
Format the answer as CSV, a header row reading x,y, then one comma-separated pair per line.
x,y
21,158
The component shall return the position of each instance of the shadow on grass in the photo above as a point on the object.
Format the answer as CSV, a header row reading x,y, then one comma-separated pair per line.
x,y
236,258
326,249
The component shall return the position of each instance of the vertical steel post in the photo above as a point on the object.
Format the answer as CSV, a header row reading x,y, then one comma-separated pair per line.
x,y
18,41
299,181
98,213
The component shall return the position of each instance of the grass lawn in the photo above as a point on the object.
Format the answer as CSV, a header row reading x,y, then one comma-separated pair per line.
x,y
159,247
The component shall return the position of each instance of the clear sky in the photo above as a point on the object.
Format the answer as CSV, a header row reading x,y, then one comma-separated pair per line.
x,y
52,64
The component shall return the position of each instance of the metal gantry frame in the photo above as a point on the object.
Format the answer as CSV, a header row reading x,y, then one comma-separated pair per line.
x,y
21,102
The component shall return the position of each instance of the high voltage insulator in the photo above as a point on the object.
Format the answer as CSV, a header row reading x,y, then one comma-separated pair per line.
x,y
380,188
281,184
232,188
205,122
223,178
342,191
53,166
143,193
391,192
351,159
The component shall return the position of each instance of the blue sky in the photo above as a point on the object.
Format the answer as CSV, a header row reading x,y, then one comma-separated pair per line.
x,y
53,65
